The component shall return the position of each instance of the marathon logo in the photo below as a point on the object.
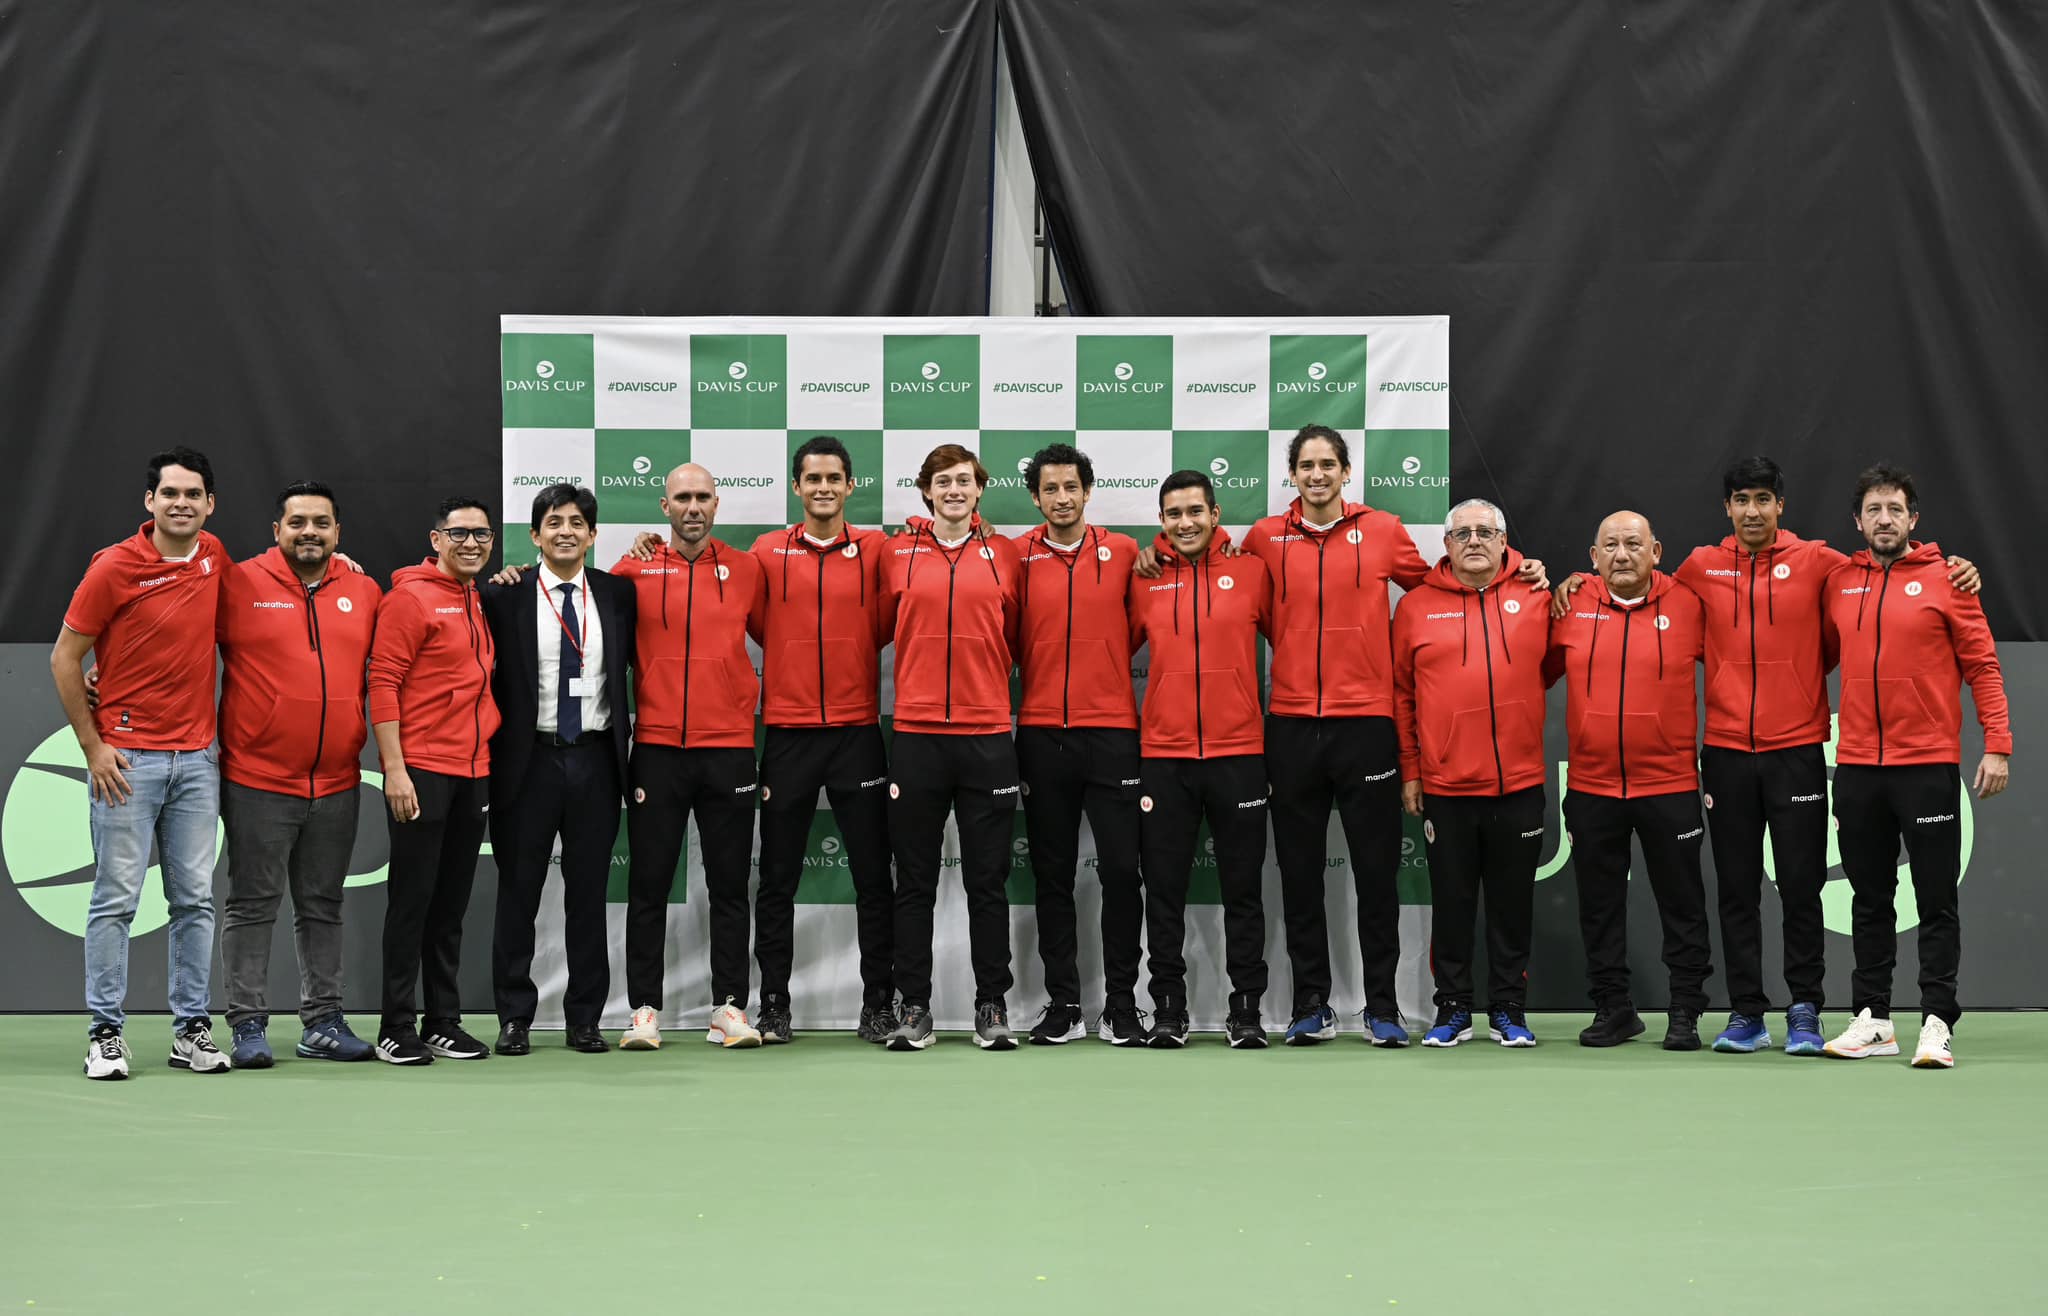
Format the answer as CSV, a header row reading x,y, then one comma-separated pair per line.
x,y
1807,799
272,603
1687,836
1382,776
1169,585
145,584
870,785
1004,790
1719,571
1251,804
1532,835
1592,616
1935,818
1444,616
448,611
1857,589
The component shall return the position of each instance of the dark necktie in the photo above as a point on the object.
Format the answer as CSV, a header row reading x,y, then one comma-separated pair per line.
x,y
568,707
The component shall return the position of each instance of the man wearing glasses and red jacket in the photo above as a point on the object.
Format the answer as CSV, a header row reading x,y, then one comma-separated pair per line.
x,y
1469,645
1627,650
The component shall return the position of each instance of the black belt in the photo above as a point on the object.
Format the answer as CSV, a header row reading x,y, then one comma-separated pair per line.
x,y
553,741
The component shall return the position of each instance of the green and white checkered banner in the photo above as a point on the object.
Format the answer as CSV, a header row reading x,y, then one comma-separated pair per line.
x,y
615,403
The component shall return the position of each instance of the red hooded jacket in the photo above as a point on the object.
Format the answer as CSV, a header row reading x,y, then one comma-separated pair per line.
x,y
430,672
153,626
821,640
1632,707
293,667
1468,682
1907,640
1075,642
1202,620
1332,638
953,614
1766,685
693,683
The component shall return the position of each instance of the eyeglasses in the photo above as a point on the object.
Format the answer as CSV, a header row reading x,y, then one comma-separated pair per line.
x,y
1485,534
464,533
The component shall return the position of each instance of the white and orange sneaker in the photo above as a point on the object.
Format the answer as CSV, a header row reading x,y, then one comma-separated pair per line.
x,y
729,1027
645,1032
1865,1036
1934,1051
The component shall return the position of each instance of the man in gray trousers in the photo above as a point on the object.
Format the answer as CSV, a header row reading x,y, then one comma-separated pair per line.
x,y
294,631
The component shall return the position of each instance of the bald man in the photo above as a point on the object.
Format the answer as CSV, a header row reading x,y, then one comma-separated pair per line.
x,y
1627,648
693,752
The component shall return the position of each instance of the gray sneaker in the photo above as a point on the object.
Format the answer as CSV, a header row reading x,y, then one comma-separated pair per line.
x,y
192,1048
992,1027
914,1033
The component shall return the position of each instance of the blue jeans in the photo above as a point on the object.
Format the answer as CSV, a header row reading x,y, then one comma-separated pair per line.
x,y
175,804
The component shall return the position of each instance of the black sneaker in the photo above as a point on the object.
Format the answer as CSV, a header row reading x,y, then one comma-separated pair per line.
x,y
992,1027
1612,1025
1169,1026
1059,1025
1682,1030
402,1046
1123,1025
913,1030
876,1023
446,1040
774,1024
1243,1026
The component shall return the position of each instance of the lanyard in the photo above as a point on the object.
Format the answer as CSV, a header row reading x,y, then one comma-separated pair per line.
x,y
575,639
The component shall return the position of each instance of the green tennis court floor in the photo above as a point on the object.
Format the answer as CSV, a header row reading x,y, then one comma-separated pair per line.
x,y
831,1177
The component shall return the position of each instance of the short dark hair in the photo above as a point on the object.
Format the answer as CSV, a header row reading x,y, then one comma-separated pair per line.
x,y
190,458
1752,473
1058,454
1327,435
1884,475
1179,480
561,495
307,489
449,506
824,445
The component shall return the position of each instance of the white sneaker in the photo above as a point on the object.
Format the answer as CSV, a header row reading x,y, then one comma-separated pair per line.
x,y
1933,1051
645,1034
106,1055
192,1048
1865,1036
729,1027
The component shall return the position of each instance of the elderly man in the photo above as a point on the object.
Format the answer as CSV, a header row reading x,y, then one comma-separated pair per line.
x,y
1628,647
1468,652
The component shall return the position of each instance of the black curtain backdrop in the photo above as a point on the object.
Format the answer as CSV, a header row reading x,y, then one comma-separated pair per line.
x,y
1667,234
284,233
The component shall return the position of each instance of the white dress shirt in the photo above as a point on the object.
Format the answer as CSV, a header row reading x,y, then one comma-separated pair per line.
x,y
548,622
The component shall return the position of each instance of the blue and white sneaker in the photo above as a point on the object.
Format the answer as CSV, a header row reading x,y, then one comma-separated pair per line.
x,y
1509,1027
1318,1023
1385,1030
1453,1025
1745,1033
1802,1030
330,1039
251,1047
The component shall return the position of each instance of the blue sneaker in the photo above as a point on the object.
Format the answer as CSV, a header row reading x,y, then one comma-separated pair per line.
x,y
1385,1030
1453,1025
1802,1030
252,1048
330,1039
1744,1033
1318,1023
1509,1026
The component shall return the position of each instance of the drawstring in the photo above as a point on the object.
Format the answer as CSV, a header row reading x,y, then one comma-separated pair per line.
x,y
1177,590
1506,651
1357,557
910,569
1209,591
1593,649
1286,543
1095,545
1465,632
1770,589
788,548
1658,606
1865,598
715,577
664,588
312,639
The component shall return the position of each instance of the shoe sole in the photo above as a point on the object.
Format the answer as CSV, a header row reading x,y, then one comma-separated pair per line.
x,y
1386,1044
1890,1048
1730,1047
179,1062
732,1041
253,1062
1934,1062
1519,1042
1805,1048
1167,1043
911,1043
1109,1035
1310,1039
1003,1043
1258,1043
1465,1036
111,1076
631,1043
1074,1034
405,1061
450,1053
304,1054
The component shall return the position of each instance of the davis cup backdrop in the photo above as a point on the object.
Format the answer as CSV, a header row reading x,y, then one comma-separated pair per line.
x,y
615,403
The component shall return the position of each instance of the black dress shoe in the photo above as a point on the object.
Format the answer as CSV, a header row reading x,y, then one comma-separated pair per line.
x,y
1613,1025
587,1039
512,1039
